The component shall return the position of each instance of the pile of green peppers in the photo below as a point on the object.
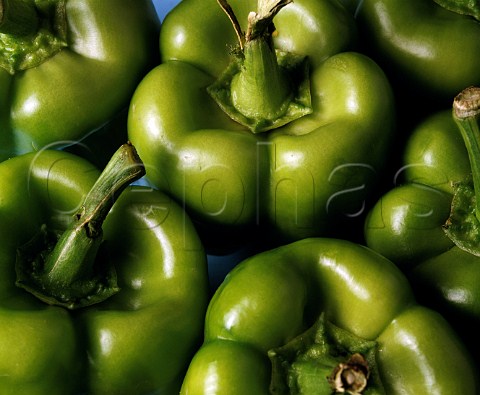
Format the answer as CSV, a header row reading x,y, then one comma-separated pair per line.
x,y
237,197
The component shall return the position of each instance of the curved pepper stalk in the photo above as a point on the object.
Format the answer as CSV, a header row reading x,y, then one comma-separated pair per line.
x,y
62,269
463,225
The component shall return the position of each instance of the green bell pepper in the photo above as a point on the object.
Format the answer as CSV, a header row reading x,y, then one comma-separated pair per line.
x,y
94,299
283,132
427,225
67,67
323,315
428,48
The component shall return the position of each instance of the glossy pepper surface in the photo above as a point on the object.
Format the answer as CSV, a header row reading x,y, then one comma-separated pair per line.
x,y
305,317
286,134
427,47
121,312
67,67
427,224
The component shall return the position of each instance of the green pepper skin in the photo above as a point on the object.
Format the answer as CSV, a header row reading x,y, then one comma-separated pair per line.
x,y
138,341
111,46
272,297
291,180
406,224
417,41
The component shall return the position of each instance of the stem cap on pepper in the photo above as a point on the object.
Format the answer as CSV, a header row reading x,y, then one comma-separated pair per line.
x,y
31,32
262,88
62,268
463,224
325,359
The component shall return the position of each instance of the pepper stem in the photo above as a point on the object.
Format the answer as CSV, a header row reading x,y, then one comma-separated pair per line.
x,y
325,360
18,17
466,113
350,376
67,274
262,88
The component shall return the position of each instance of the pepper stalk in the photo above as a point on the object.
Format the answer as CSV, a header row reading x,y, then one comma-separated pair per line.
x,y
466,113
63,269
463,225
262,88
325,360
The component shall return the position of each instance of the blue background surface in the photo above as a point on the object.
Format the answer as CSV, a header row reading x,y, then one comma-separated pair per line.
x,y
163,6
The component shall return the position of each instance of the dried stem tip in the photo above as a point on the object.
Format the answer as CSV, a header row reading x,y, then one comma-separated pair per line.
x,y
467,103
